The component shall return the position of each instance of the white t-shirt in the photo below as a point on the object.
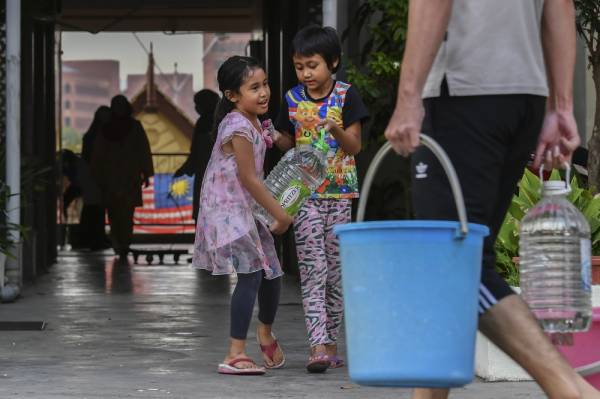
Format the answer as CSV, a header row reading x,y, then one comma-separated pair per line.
x,y
491,47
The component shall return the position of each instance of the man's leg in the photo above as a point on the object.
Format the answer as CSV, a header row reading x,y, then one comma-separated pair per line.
x,y
512,327
430,393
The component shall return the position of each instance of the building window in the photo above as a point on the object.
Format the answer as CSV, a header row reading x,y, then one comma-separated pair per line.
x,y
67,88
90,90
67,104
68,122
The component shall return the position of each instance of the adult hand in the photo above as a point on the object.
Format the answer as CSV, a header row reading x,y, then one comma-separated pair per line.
x,y
558,140
280,226
404,126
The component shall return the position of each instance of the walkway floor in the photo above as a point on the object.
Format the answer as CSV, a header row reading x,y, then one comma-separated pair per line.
x,y
158,331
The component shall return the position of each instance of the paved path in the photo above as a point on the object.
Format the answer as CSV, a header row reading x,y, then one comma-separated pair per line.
x,y
139,331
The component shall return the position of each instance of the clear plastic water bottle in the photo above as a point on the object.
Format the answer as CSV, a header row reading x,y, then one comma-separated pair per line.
x,y
555,261
295,177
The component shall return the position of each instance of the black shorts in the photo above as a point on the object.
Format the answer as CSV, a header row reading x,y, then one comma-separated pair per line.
x,y
489,140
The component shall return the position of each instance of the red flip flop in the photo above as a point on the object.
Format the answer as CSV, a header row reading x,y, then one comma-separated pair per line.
x,y
269,351
230,368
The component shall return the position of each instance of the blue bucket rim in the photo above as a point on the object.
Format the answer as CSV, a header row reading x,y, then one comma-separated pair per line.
x,y
410,224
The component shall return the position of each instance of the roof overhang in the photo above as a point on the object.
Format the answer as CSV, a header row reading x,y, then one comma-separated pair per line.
x,y
160,15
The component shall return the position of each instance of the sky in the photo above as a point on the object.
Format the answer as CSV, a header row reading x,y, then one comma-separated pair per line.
x,y
185,49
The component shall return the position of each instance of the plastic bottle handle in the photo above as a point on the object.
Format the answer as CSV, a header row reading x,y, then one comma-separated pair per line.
x,y
441,155
567,175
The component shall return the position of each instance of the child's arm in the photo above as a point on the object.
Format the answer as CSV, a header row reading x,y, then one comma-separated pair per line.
x,y
283,140
349,139
244,157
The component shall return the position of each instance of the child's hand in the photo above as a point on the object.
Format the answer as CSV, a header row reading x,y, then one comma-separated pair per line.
x,y
276,136
329,125
280,226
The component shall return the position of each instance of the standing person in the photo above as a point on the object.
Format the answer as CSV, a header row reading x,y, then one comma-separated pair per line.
x,y
321,102
93,214
121,163
205,101
228,238
485,96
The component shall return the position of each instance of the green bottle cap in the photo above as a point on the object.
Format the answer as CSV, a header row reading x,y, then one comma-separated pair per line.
x,y
321,144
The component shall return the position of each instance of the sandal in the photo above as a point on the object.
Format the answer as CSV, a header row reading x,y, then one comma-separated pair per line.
x,y
230,368
336,362
269,351
318,363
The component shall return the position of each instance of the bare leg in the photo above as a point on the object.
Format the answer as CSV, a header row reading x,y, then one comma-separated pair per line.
x,y
430,393
512,327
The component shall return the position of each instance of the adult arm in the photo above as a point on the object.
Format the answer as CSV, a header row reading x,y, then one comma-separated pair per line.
x,y
427,25
559,136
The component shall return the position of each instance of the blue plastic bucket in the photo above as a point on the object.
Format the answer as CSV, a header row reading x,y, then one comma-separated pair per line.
x,y
411,296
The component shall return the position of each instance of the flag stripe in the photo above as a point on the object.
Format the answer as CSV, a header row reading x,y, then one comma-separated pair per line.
x,y
167,206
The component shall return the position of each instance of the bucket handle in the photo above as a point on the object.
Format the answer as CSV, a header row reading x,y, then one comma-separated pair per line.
x,y
441,155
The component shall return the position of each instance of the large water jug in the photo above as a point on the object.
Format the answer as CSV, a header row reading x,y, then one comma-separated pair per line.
x,y
555,261
295,177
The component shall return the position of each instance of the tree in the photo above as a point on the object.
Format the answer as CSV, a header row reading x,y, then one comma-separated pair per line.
x,y
588,26
376,75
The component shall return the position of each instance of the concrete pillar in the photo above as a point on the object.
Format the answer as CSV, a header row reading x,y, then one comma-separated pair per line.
x,y
13,118
330,13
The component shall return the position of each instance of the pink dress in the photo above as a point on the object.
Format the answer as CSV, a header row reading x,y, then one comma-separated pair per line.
x,y
228,239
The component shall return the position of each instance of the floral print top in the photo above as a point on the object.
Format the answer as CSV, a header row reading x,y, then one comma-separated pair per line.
x,y
228,239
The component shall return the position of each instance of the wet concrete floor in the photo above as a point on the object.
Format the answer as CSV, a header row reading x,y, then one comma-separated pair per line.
x,y
158,331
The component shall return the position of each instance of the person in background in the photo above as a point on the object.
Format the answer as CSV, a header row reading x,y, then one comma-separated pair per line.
x,y
121,163
202,143
93,214
81,185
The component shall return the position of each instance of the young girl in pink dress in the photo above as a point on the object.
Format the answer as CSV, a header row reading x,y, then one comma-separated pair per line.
x,y
228,238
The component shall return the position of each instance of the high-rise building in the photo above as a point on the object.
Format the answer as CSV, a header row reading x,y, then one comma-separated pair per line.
x,y
86,85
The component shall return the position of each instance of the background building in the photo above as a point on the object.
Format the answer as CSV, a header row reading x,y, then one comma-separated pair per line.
x,y
86,85
178,87
217,48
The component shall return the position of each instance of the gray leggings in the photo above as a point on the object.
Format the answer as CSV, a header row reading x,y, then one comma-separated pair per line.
x,y
244,296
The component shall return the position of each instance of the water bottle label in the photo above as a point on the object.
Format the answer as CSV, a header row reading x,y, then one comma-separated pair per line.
x,y
292,198
586,264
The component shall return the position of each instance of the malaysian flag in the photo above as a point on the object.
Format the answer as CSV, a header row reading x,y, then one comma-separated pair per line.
x,y
167,206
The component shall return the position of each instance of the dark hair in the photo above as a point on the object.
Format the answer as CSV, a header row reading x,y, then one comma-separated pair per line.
x,y
120,106
102,115
231,76
324,41
206,101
